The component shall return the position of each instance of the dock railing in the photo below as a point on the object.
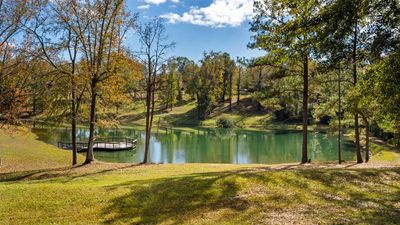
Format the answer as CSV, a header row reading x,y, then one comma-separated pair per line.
x,y
109,143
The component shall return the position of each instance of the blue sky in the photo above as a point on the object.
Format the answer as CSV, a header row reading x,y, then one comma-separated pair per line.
x,y
201,25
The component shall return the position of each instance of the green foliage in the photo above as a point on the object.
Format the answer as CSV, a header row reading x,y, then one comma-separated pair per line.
x,y
212,81
169,88
379,94
224,122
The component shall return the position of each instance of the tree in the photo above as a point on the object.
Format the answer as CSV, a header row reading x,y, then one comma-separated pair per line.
x,y
154,47
101,27
170,84
360,32
285,28
241,63
14,15
56,22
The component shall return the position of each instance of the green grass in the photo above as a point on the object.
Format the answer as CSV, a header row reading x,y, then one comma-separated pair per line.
x,y
185,115
45,190
384,153
20,151
204,194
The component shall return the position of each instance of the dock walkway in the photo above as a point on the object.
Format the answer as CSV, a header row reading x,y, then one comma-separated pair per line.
x,y
103,144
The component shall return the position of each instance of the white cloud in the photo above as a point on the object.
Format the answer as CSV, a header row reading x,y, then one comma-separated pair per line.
x,y
157,2
144,7
220,13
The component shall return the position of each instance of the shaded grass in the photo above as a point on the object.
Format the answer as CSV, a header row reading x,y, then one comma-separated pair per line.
x,y
40,188
206,194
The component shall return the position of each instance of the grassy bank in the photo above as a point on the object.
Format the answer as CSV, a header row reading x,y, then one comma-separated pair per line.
x,y
38,187
20,151
185,115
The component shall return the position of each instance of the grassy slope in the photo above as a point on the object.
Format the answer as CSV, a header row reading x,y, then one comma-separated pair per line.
x,y
186,115
20,151
188,194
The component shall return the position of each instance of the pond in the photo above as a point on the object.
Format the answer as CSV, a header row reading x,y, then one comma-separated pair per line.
x,y
202,145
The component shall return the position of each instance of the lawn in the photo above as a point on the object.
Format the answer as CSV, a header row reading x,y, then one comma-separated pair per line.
x,y
38,187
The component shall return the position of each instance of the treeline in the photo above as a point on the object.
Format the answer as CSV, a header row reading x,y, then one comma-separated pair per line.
x,y
65,60
345,45
332,62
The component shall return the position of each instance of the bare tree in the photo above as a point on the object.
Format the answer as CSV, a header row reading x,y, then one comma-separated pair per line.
x,y
154,47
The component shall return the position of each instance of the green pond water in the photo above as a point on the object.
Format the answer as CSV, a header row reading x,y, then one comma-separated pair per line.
x,y
212,145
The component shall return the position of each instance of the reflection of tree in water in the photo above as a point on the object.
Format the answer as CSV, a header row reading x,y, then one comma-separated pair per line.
x,y
315,144
205,145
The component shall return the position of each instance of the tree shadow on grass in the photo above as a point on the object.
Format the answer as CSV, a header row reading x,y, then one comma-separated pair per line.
x,y
331,196
174,199
188,118
68,173
369,196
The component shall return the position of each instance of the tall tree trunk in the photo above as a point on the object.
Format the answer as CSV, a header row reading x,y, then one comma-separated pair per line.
x,y
223,91
259,87
198,105
151,116
230,91
153,104
356,125
339,118
304,158
366,123
73,123
92,127
34,104
148,99
238,88
179,97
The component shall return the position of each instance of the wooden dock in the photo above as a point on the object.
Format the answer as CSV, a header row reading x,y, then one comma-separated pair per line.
x,y
102,144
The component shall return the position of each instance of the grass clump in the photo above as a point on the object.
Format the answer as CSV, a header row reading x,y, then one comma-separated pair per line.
x,y
224,122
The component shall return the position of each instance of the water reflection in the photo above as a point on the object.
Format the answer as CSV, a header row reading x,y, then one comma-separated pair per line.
x,y
211,145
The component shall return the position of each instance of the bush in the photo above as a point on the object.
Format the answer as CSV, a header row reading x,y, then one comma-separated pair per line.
x,y
224,122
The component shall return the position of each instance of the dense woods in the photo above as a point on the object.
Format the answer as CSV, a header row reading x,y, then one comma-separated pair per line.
x,y
332,62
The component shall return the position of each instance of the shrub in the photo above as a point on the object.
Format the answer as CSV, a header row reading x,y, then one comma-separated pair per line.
x,y
224,122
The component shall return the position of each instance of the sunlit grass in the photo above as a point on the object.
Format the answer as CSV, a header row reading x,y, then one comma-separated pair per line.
x,y
45,190
20,151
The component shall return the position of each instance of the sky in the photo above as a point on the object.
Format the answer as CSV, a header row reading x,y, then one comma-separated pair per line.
x,y
201,25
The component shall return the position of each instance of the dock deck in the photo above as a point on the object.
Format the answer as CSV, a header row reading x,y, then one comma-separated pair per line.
x,y
103,144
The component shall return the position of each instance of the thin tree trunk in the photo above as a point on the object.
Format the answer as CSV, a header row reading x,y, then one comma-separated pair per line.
x,y
339,118
238,88
148,99
151,116
356,125
153,104
73,124
198,104
259,87
89,153
179,97
304,158
223,91
230,91
366,123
